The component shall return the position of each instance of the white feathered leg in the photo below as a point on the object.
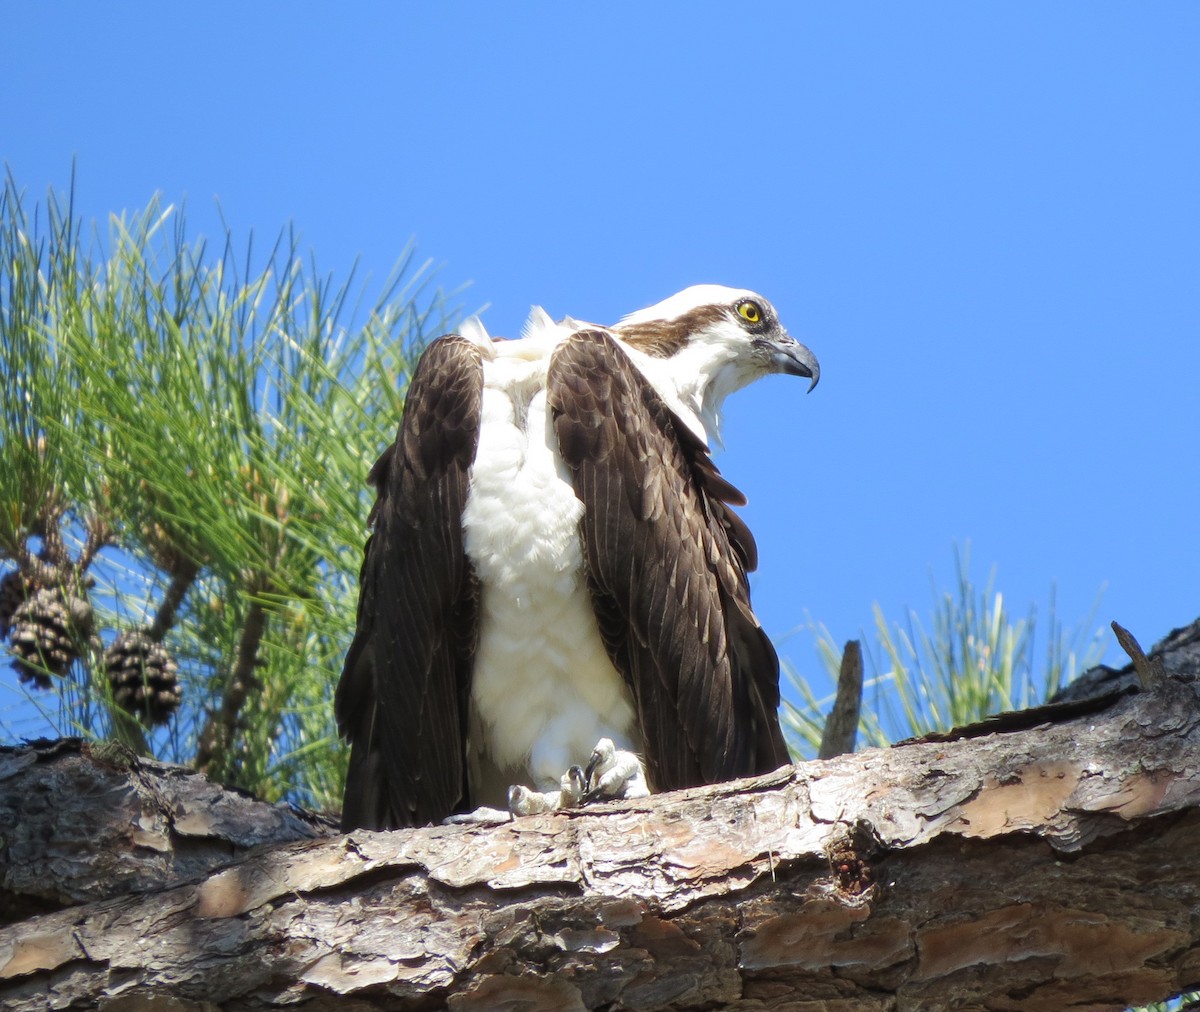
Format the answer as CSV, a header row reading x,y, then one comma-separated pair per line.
x,y
614,773
571,788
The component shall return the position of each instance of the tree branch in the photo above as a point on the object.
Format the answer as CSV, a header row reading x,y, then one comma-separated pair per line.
x,y
221,727
181,582
99,535
1045,868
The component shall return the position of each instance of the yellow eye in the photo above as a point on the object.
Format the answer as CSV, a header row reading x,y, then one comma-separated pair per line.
x,y
750,312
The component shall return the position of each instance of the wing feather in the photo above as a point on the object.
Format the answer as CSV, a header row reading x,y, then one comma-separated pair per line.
x,y
402,698
666,565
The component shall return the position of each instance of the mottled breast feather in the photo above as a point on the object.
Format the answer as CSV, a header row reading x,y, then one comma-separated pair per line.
x,y
402,698
666,561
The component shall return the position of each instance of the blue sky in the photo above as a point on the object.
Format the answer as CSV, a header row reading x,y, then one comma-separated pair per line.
x,y
983,218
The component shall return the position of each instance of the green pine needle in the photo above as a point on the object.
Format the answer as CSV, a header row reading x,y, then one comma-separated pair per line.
x,y
216,415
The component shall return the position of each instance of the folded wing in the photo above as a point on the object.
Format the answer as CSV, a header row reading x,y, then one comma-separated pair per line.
x,y
666,562
403,695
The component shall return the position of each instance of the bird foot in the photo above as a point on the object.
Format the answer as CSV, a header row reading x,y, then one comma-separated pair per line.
x,y
571,788
614,773
611,774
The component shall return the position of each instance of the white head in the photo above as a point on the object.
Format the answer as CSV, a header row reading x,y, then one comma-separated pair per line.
x,y
714,340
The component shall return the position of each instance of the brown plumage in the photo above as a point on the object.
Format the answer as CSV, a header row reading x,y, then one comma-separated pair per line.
x,y
666,567
402,698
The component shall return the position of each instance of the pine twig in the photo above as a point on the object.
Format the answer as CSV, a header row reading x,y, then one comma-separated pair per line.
x,y
54,547
221,726
181,583
99,535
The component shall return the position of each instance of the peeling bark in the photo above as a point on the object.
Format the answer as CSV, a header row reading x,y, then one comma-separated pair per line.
x,y
1051,867
80,823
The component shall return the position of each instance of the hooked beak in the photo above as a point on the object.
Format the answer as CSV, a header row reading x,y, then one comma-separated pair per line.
x,y
790,357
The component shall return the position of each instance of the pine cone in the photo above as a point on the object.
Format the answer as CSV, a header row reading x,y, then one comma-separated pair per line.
x,y
44,634
18,585
13,591
144,678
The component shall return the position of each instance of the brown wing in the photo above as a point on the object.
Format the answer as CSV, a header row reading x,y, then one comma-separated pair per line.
x,y
666,565
402,698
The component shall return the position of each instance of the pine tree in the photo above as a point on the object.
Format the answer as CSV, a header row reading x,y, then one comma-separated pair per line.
x,y
185,439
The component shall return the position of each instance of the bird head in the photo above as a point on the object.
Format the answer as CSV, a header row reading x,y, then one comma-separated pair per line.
x,y
713,340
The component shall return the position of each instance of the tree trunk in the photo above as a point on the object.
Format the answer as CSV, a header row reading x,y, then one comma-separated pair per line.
x,y
1046,860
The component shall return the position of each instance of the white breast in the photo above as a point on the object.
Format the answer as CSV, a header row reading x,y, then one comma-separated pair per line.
x,y
543,690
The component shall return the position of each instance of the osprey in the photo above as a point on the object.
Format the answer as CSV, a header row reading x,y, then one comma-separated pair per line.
x,y
555,564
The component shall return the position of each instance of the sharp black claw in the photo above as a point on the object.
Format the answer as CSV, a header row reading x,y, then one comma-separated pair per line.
x,y
595,794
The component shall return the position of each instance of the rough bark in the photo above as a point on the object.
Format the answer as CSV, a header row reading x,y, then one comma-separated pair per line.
x,y
80,823
1035,862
